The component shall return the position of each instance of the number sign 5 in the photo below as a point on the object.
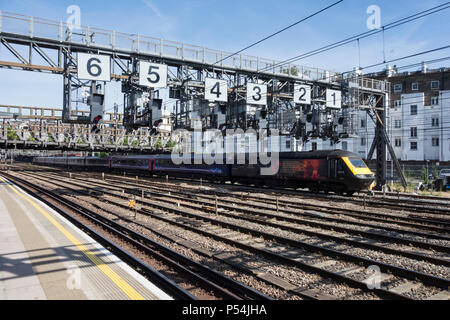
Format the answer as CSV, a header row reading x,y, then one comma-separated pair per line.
x,y
94,67
152,75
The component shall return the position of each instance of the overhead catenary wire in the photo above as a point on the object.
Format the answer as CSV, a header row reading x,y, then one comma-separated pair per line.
x,y
280,31
363,35
391,25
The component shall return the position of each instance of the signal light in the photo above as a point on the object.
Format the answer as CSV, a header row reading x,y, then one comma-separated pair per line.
x,y
95,129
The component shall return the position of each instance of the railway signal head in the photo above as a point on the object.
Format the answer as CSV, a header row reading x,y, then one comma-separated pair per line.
x,y
95,129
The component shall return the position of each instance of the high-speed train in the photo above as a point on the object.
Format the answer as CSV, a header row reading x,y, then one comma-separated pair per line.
x,y
328,170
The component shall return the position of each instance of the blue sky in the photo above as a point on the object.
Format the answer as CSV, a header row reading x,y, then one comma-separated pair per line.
x,y
231,25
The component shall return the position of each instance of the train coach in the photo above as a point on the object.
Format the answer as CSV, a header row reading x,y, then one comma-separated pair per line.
x,y
320,171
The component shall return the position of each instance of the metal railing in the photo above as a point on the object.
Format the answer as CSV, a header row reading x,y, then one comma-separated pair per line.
x,y
134,43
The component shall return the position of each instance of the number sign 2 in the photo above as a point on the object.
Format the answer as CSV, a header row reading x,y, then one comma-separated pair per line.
x,y
94,67
302,94
152,74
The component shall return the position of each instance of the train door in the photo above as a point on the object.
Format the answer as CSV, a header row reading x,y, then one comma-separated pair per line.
x,y
340,169
332,169
151,163
336,169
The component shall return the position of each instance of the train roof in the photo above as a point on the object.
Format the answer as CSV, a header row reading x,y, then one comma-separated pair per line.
x,y
283,155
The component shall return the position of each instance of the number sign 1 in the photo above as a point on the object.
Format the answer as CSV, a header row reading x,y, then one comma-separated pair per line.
x,y
216,90
302,94
94,67
334,99
256,94
152,74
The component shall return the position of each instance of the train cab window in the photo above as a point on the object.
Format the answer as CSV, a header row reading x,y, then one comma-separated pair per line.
x,y
357,163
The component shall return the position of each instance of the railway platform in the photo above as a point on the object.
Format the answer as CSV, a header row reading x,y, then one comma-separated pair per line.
x,y
45,257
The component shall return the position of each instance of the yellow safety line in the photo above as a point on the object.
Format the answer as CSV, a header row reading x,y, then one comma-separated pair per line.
x,y
122,284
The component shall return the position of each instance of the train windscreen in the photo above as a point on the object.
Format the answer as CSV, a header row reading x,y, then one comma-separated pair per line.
x,y
357,163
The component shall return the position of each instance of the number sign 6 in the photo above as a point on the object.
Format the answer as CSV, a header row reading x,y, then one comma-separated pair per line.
x,y
94,67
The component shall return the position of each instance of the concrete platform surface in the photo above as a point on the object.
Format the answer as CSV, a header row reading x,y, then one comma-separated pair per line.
x,y
45,257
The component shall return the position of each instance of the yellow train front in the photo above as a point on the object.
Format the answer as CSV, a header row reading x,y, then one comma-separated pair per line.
x,y
326,171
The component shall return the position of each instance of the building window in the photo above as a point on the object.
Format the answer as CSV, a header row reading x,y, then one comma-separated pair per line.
x,y
413,145
415,86
435,122
414,132
314,146
288,144
435,142
434,101
363,123
363,141
434,85
398,124
414,110
398,88
398,142
397,103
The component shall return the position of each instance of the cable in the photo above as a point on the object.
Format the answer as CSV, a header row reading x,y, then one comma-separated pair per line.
x,y
363,35
367,33
280,31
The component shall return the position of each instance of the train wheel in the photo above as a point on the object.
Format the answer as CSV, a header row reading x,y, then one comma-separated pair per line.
x,y
314,189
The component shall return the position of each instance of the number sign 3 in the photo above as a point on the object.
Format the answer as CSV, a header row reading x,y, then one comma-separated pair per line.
x,y
256,94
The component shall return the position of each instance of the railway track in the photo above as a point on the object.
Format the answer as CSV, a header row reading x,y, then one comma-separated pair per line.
x,y
191,219
390,200
189,274
256,212
289,206
330,214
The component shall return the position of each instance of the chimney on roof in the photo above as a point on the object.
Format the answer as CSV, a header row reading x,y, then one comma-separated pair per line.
x,y
424,67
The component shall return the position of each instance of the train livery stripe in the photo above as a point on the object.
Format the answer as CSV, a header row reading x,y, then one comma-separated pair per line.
x,y
114,277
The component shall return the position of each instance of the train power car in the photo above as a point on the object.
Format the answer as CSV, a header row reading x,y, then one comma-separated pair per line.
x,y
327,171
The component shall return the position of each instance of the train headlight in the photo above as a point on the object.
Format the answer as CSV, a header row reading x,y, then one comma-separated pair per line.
x,y
364,176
